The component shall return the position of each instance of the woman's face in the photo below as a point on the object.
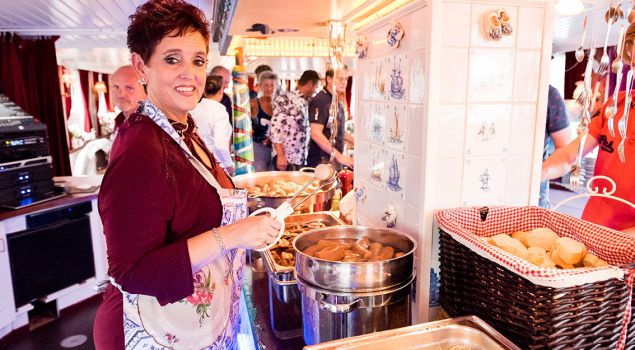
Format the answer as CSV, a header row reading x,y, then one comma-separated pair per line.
x,y
175,73
268,87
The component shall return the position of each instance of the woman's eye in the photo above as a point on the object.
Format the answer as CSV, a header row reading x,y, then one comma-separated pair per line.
x,y
199,62
171,60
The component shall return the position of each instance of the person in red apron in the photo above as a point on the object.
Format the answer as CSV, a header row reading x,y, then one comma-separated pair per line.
x,y
175,226
607,212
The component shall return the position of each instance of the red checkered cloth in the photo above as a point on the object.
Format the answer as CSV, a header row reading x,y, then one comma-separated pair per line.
x,y
617,248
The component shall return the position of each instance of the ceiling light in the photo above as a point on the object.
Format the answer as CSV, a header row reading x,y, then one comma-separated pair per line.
x,y
569,7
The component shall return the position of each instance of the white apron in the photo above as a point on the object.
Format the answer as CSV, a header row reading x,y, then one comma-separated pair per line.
x,y
209,318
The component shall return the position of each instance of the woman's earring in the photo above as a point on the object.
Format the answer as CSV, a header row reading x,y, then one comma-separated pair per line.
x,y
143,81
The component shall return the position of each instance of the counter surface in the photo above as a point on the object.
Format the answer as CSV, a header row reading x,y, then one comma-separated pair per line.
x,y
55,203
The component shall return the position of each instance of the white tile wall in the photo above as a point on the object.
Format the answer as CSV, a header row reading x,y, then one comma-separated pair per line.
x,y
487,129
448,183
362,160
415,180
417,76
491,75
523,128
416,130
480,13
518,177
530,23
451,121
456,24
527,76
454,75
410,222
418,34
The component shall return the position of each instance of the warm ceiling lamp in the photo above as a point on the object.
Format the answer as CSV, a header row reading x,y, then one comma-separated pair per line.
x,y
100,86
569,7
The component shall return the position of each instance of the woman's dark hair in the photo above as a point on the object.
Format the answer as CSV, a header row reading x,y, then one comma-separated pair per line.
x,y
213,84
155,19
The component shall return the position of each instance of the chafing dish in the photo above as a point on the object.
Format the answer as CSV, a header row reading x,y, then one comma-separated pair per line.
x,y
284,295
321,201
464,333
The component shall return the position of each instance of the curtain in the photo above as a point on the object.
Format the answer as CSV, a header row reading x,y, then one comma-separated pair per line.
x,y
33,82
86,94
10,77
106,78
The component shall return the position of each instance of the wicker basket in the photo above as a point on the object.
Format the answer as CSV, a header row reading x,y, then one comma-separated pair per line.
x,y
586,316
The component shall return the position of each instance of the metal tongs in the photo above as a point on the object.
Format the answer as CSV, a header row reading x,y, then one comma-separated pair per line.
x,y
583,128
323,172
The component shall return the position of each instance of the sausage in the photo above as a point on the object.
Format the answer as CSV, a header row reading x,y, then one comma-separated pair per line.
x,y
335,254
375,248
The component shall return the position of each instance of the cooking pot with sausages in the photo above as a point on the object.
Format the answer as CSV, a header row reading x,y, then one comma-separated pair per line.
x,y
354,259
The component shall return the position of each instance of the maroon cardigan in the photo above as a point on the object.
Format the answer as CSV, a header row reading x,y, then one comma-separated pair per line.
x,y
151,201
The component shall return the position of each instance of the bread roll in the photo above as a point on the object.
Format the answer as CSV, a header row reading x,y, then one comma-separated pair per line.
x,y
555,256
590,260
542,237
536,255
570,250
522,237
548,262
500,240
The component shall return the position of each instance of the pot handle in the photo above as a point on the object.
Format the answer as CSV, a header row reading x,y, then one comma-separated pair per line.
x,y
338,308
282,283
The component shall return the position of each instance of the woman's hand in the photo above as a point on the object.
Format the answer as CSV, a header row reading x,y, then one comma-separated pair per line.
x,y
252,232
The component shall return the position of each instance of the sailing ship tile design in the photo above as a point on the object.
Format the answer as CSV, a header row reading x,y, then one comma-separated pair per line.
x,y
395,173
398,77
396,121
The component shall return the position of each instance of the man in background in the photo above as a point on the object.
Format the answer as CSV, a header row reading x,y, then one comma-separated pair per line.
x,y
226,100
289,131
557,135
320,148
126,92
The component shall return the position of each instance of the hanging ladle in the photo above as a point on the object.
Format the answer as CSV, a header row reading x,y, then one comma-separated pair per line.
x,y
324,173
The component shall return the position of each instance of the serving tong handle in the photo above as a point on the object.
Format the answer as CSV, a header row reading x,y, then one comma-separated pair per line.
x,y
323,172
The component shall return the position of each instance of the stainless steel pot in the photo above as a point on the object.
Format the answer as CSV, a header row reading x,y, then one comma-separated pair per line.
x,y
321,201
329,315
355,276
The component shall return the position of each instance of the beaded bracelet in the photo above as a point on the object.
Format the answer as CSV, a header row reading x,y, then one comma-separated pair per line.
x,y
219,240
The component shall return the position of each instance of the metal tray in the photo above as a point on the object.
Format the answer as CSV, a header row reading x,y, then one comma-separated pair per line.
x,y
272,267
464,333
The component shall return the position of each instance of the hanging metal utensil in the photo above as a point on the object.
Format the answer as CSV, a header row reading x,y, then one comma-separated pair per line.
x,y
579,53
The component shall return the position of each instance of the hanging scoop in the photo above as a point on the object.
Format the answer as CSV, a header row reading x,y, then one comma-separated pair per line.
x,y
324,173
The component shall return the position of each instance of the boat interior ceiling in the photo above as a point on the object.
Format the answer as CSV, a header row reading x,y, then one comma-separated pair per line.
x,y
93,32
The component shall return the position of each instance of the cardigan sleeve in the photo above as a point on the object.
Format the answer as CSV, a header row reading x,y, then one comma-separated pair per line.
x,y
136,203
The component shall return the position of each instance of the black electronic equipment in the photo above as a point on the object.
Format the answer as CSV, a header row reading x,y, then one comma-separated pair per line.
x,y
26,176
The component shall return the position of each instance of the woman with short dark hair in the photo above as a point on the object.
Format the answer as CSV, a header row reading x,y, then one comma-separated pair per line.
x,y
174,224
